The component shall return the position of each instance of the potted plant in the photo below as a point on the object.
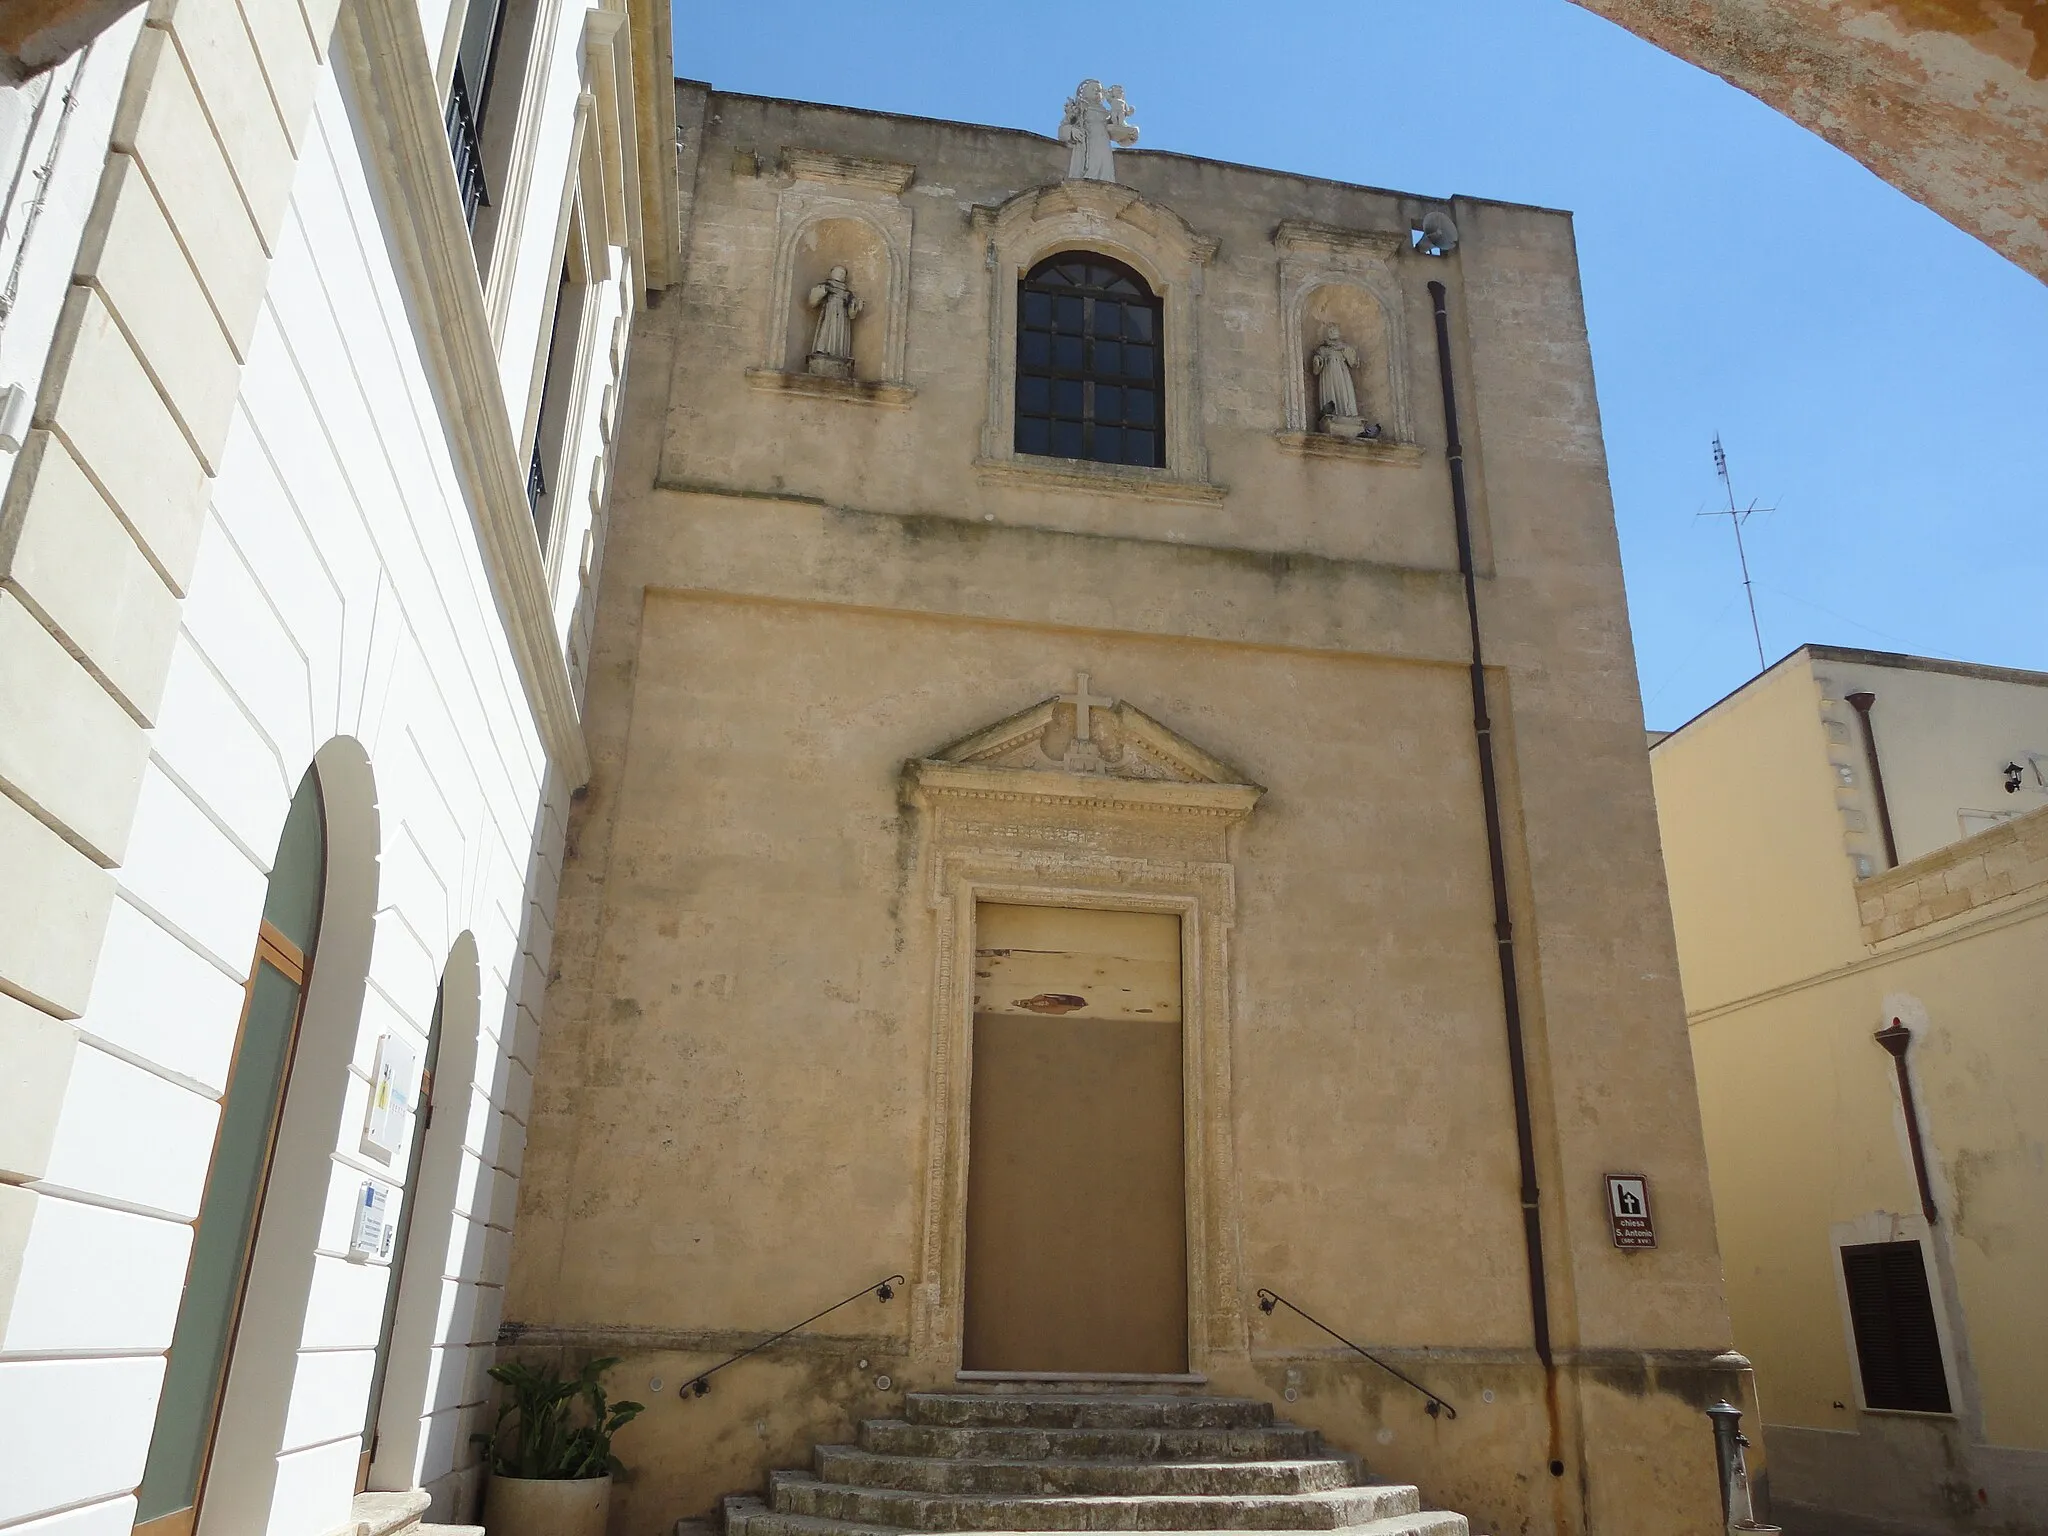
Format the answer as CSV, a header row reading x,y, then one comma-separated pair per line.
x,y
551,1475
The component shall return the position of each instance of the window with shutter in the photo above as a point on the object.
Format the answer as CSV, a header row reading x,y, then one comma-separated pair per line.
x,y
1892,1315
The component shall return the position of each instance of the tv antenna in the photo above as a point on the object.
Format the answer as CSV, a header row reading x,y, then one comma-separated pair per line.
x,y
1737,516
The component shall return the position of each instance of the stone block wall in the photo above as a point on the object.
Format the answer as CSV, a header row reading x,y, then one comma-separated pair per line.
x,y
2009,860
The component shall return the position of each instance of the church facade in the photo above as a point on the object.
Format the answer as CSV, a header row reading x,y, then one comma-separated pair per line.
x,y
1118,808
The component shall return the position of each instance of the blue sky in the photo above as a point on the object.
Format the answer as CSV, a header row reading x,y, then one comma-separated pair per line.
x,y
1878,376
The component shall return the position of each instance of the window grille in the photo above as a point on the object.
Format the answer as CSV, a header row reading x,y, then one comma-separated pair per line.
x,y
537,487
1892,1315
1090,365
466,149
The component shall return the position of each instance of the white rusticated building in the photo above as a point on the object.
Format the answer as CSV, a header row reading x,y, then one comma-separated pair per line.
x,y
312,325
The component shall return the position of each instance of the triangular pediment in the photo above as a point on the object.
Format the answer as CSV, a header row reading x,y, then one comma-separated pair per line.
x,y
1121,741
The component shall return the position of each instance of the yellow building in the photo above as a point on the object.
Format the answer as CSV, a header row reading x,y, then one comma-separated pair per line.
x,y
1857,849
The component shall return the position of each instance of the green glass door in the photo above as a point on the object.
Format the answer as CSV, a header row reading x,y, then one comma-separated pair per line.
x,y
230,1211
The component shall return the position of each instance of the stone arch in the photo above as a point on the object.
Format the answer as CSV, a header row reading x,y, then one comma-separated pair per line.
x,y
414,1358
1148,237
242,1481
1105,243
1943,100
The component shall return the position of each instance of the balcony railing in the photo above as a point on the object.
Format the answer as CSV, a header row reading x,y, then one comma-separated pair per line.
x,y
466,149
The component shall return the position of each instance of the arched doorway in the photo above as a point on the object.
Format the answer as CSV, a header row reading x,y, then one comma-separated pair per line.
x,y
411,1353
224,1240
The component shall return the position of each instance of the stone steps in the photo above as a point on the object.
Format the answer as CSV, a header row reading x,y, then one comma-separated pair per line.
x,y
1067,1476
749,1516
801,1494
1025,1461
1085,1410
1271,1442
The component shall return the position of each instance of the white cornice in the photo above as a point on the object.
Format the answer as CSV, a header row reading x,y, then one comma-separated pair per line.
x,y
385,55
654,113
608,72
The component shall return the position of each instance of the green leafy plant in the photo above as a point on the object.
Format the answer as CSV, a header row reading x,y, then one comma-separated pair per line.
x,y
541,1440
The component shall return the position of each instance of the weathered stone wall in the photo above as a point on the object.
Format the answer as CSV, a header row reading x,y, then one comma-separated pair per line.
x,y
1945,99
806,586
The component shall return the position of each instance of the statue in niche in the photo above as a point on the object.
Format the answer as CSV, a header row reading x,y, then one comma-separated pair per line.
x,y
1336,390
838,306
1095,125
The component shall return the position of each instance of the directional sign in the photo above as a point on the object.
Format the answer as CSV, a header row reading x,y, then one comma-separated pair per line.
x,y
1628,1211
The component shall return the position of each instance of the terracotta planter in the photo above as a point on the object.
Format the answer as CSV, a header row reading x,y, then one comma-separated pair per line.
x,y
547,1506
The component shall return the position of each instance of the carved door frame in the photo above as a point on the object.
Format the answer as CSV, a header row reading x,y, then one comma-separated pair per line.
x,y
1068,840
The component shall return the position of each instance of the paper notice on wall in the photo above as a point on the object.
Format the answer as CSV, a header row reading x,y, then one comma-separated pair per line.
x,y
391,1090
372,1236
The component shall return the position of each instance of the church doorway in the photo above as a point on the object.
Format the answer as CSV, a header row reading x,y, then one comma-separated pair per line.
x,y
1076,1196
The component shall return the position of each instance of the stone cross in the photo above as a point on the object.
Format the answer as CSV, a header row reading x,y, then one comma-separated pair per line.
x,y
1083,701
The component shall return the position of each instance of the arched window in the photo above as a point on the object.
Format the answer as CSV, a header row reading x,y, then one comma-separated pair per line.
x,y
423,1117
1090,369
188,1412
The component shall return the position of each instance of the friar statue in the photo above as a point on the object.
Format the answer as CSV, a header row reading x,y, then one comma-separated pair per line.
x,y
1094,126
838,306
1336,391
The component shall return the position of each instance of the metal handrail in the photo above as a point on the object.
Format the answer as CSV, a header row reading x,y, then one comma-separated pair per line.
x,y
700,1384
1268,1300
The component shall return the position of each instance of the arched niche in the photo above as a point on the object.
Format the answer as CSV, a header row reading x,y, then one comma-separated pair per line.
x,y
1346,278
241,1483
416,1355
869,235
860,247
1358,316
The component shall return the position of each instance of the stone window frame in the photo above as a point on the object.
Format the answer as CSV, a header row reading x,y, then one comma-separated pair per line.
x,y
806,203
995,834
1161,247
1315,256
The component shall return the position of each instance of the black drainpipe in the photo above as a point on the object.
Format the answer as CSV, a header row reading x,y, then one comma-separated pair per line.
x,y
1896,1040
1861,703
1503,922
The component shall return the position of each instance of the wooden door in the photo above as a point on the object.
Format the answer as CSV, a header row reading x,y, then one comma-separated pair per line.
x,y
1076,1204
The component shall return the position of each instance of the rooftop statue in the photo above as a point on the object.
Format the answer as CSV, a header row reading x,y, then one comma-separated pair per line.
x,y
1096,124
